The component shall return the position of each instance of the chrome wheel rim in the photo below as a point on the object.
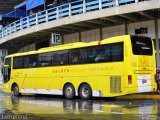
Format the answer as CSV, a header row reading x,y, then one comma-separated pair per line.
x,y
69,91
15,91
85,91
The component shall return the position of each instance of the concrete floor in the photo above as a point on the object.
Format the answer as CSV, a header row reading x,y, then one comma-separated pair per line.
x,y
51,108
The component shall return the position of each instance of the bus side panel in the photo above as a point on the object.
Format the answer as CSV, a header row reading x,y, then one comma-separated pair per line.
x,y
98,76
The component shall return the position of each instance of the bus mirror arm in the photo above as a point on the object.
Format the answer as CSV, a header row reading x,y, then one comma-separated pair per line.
x,y
5,66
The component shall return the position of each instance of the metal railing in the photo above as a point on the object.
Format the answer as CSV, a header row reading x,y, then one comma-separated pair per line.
x,y
66,10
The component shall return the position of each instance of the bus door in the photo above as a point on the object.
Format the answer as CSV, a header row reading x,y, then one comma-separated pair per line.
x,y
30,64
6,71
143,62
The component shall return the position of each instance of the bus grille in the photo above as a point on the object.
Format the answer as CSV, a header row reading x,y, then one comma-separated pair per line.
x,y
115,84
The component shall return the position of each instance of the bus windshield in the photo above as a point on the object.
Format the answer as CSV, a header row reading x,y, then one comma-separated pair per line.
x,y
141,45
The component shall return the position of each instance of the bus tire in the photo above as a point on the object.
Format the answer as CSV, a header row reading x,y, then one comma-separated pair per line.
x,y
69,91
85,92
15,90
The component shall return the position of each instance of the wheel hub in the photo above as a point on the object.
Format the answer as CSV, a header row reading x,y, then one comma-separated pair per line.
x,y
85,91
69,91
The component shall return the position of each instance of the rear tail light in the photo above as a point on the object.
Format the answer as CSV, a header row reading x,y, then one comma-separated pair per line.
x,y
129,79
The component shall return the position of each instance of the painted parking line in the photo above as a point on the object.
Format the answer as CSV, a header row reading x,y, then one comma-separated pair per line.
x,y
141,96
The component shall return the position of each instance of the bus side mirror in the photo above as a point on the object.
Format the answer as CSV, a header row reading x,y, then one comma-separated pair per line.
x,y
3,68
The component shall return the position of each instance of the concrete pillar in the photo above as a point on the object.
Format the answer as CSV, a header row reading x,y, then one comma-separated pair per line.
x,y
62,38
100,33
80,37
46,15
84,6
117,2
157,42
28,22
21,23
57,13
1,76
11,28
2,32
69,10
126,27
100,4
36,18
14,27
136,1
1,63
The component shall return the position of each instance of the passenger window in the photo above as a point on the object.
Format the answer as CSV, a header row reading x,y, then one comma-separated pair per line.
x,y
45,59
18,62
91,54
107,56
78,56
74,56
100,54
117,52
33,61
56,58
64,57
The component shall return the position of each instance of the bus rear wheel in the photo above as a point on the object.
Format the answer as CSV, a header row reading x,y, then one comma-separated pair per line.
x,y
85,92
15,90
69,91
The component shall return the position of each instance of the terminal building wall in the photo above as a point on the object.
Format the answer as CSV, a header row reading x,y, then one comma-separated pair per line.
x,y
95,35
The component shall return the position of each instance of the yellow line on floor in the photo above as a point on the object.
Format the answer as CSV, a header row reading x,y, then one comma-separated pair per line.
x,y
139,96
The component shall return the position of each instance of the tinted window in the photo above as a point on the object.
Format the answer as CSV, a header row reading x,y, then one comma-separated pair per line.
x,y
106,53
116,52
33,60
18,62
78,56
30,61
26,61
64,60
56,58
94,54
141,45
45,59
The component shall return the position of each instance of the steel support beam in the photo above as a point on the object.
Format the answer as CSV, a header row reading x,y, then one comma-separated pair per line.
x,y
157,42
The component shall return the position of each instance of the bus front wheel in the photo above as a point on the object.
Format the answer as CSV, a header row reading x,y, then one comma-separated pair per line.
x,y
69,91
15,90
85,92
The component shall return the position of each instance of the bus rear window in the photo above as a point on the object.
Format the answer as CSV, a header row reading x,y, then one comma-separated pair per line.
x,y
141,45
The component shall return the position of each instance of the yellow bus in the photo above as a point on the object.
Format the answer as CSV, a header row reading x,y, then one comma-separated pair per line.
x,y
112,67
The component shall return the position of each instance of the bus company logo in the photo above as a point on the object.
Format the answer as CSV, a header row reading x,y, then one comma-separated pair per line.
x,y
144,62
83,70
60,71
140,43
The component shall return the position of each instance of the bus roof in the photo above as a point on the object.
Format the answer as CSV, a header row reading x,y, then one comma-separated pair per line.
x,y
70,46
